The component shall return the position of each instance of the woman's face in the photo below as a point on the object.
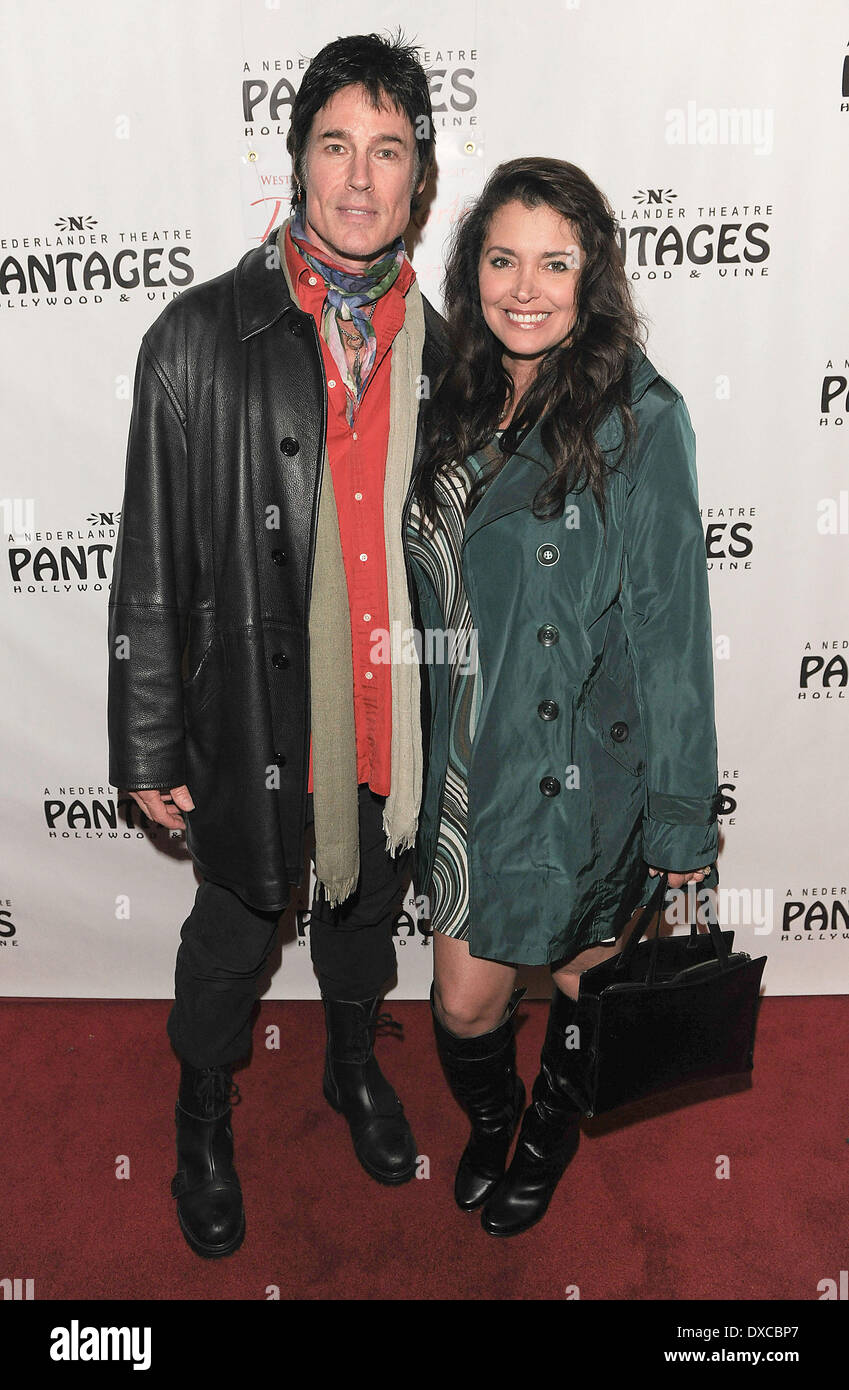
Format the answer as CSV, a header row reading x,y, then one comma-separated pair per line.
x,y
528,278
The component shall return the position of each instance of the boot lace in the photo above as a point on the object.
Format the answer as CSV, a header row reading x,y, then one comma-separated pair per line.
x,y
385,1023
216,1090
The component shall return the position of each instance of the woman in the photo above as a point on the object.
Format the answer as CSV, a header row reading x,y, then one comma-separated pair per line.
x,y
555,534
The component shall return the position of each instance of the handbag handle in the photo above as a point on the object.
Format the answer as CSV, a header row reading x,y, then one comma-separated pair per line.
x,y
656,903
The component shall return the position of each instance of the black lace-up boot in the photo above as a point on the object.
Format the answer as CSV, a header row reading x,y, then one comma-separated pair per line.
x,y
481,1073
209,1197
548,1139
355,1087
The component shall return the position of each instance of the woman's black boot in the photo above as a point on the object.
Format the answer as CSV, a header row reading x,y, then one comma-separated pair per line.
x,y
209,1196
481,1073
548,1138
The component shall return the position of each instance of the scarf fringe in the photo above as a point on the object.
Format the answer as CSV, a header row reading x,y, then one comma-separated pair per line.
x,y
400,841
338,892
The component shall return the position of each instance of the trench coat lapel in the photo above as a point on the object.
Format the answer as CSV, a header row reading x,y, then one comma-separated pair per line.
x,y
517,483
514,487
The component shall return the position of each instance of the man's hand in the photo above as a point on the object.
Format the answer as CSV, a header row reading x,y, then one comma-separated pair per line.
x,y
162,808
678,880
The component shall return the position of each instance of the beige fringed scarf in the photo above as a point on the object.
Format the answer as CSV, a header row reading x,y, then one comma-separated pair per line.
x,y
334,747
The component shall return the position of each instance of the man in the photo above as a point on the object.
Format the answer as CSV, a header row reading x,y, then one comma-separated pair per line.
x,y
272,440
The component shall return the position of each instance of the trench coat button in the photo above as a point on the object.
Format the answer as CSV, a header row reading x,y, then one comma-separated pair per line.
x,y
289,446
280,660
548,554
279,557
549,786
619,731
548,709
548,635
296,328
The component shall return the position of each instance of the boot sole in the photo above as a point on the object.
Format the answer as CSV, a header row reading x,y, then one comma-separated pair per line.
x,y
387,1180
212,1252
514,1230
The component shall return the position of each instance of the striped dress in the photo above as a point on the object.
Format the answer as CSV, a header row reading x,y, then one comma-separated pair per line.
x,y
438,552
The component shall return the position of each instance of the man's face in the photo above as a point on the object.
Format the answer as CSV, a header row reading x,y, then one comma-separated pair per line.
x,y
359,165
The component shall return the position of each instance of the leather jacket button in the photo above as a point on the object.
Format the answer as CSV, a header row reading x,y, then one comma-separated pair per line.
x,y
279,557
549,786
619,731
548,709
289,446
296,328
548,554
280,660
548,635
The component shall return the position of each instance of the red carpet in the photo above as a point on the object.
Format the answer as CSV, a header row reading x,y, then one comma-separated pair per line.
x,y
639,1214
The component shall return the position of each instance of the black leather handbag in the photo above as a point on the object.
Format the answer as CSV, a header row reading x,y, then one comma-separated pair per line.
x,y
663,1012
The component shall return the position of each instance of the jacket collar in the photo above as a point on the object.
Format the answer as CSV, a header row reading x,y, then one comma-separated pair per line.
x,y
643,373
260,290
518,481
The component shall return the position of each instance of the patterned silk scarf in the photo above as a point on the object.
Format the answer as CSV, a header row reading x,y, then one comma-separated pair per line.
x,y
347,296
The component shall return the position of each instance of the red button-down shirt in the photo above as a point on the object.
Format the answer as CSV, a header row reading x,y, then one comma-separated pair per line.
x,y
357,458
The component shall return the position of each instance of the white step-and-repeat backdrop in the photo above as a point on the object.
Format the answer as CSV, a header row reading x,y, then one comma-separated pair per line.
x,y
145,151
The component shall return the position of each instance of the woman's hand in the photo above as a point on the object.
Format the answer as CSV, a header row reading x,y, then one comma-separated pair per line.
x,y
678,880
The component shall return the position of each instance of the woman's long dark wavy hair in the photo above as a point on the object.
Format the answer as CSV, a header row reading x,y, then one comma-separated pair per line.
x,y
578,381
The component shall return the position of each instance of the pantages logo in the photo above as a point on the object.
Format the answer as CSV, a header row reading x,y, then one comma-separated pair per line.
x,y
815,915
729,783
269,86
824,670
91,811
60,560
8,928
834,393
411,922
662,240
78,263
729,537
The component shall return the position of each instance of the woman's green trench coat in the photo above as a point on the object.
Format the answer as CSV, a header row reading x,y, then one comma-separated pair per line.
x,y
594,754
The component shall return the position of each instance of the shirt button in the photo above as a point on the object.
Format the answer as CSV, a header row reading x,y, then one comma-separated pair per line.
x,y
363,557
331,383
368,675
355,435
359,496
367,617
312,280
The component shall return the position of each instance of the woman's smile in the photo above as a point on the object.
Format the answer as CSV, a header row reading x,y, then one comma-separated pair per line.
x,y
526,320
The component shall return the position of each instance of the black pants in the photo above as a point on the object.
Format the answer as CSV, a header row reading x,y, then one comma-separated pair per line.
x,y
225,943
